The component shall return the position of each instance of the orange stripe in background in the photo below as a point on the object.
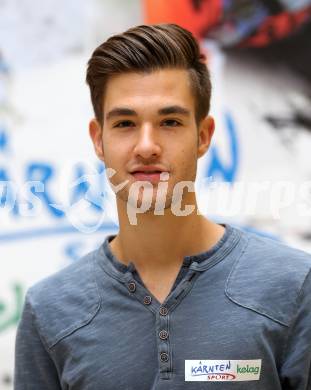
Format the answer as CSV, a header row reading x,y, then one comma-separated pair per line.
x,y
184,13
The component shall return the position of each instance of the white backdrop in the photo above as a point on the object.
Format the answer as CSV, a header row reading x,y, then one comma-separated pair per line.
x,y
44,113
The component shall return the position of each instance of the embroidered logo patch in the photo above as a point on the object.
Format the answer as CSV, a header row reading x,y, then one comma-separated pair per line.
x,y
222,370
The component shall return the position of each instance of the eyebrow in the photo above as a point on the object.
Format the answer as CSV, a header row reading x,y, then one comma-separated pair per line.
x,y
123,111
120,111
174,110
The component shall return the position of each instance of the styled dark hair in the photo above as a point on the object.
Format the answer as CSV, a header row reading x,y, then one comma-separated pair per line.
x,y
147,48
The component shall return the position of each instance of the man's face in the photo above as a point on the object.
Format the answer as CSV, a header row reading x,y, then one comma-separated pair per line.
x,y
149,127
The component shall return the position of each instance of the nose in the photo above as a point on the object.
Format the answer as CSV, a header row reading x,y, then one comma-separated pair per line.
x,y
147,145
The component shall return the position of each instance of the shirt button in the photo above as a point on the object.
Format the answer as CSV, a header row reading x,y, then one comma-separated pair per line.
x,y
147,300
164,357
132,286
163,311
163,335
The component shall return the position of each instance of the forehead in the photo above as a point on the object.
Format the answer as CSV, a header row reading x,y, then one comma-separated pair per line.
x,y
149,91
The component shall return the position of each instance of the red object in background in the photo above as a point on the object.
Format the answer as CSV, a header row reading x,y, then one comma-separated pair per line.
x,y
277,27
195,16
202,16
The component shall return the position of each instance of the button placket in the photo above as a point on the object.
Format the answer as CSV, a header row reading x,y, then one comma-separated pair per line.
x,y
164,357
147,300
163,342
140,293
131,287
163,334
163,311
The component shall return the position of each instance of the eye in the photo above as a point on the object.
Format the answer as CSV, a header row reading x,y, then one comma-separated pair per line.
x,y
123,124
171,123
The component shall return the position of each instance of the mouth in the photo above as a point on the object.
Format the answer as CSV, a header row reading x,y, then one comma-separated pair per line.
x,y
151,176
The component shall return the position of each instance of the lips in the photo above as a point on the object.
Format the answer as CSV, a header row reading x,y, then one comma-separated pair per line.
x,y
148,168
151,174
147,176
147,172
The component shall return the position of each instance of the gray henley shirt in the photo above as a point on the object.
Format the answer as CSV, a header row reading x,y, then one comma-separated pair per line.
x,y
237,317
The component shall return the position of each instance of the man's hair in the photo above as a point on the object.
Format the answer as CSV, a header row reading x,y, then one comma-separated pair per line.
x,y
148,48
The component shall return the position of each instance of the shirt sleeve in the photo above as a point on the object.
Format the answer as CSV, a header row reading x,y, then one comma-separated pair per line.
x,y
34,368
296,367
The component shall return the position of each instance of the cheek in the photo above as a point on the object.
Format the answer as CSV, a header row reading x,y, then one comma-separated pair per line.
x,y
188,156
185,164
114,152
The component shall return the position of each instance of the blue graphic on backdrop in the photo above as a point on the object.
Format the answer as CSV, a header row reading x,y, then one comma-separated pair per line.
x,y
45,173
82,189
75,249
4,139
217,168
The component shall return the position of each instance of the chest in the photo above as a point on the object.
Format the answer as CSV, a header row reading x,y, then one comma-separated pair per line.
x,y
136,348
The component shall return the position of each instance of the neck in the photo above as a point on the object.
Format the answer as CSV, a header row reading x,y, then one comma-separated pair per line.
x,y
162,241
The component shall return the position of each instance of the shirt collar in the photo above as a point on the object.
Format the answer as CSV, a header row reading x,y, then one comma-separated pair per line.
x,y
200,261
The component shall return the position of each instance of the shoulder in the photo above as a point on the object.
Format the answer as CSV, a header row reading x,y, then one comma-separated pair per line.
x,y
268,278
66,300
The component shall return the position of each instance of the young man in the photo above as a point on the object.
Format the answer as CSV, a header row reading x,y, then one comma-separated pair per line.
x,y
173,300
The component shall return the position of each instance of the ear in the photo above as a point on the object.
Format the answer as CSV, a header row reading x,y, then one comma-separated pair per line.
x,y
206,131
95,131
